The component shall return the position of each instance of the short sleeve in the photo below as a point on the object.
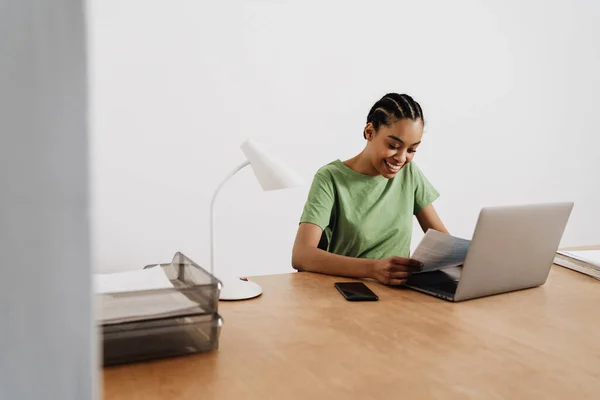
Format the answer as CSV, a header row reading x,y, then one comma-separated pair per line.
x,y
319,204
425,193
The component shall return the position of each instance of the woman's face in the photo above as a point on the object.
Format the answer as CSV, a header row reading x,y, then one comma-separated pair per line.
x,y
394,146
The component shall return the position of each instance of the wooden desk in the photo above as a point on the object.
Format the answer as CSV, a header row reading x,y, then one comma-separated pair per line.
x,y
302,340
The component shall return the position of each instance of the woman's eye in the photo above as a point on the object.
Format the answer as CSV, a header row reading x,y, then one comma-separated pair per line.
x,y
412,151
392,147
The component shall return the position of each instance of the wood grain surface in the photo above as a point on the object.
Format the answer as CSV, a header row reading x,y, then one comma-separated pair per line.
x,y
302,340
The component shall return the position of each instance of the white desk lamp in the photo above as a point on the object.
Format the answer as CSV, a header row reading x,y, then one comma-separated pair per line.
x,y
272,174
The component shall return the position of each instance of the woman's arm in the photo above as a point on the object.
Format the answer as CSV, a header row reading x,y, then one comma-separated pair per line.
x,y
306,256
429,219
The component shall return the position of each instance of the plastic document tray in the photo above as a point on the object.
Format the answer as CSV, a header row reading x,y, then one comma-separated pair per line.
x,y
161,338
189,290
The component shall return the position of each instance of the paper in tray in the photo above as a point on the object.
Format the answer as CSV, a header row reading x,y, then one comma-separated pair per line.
x,y
159,291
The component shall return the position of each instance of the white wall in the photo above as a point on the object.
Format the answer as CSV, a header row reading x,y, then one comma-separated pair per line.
x,y
46,336
510,91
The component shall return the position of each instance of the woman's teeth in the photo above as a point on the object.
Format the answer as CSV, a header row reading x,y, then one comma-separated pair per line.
x,y
393,167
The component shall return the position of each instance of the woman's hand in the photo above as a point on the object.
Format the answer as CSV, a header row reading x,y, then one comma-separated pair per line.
x,y
395,270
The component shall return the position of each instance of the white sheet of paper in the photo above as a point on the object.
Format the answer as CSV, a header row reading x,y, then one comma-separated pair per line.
x,y
112,308
588,256
576,265
131,281
110,311
438,250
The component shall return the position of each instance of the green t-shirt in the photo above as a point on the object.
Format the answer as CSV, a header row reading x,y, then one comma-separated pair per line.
x,y
367,216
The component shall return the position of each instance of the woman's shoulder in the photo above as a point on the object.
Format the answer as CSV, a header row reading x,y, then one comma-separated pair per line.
x,y
412,169
329,169
328,175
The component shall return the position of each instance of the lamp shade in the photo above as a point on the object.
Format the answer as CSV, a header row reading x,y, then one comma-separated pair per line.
x,y
271,172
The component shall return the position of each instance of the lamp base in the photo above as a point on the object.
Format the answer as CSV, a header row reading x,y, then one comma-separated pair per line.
x,y
237,289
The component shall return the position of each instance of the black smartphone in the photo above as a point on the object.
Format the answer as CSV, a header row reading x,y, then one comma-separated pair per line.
x,y
356,291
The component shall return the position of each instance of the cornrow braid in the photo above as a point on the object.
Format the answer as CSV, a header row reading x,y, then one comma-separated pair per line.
x,y
393,107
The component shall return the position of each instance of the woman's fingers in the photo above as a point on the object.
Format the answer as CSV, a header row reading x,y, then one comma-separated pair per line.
x,y
406,268
399,274
397,282
410,262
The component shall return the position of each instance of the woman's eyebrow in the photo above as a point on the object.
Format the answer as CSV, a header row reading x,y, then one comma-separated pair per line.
x,y
400,140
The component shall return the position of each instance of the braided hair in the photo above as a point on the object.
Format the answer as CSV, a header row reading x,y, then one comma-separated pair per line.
x,y
393,107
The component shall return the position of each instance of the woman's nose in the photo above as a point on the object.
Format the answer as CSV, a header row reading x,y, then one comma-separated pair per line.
x,y
400,157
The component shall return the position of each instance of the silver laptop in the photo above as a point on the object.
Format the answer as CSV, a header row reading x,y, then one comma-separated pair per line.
x,y
513,248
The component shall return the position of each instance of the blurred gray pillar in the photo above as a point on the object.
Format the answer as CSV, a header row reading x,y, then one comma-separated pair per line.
x,y
46,332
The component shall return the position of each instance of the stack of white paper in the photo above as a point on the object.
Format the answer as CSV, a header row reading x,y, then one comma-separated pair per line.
x,y
131,281
118,304
584,261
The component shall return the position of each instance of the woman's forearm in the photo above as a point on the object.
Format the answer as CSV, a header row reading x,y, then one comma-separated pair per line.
x,y
313,259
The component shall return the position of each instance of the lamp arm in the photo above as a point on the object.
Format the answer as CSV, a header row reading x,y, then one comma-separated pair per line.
x,y
212,212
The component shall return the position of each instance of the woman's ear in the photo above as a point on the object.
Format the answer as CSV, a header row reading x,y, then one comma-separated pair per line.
x,y
369,132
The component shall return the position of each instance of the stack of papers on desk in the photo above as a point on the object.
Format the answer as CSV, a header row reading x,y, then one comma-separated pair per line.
x,y
584,261
121,301
131,281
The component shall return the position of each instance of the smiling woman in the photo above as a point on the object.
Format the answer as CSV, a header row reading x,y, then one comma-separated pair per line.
x,y
357,221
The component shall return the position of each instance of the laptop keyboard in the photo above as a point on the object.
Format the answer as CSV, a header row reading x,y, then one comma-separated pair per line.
x,y
435,281
448,286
